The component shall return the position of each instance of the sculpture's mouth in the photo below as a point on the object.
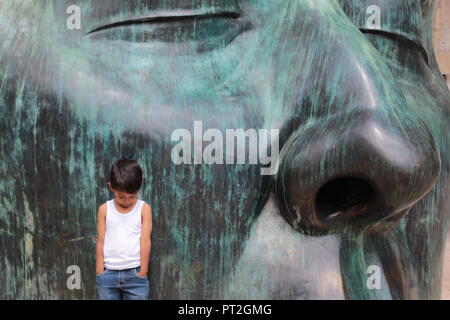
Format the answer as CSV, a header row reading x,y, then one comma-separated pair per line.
x,y
203,29
336,266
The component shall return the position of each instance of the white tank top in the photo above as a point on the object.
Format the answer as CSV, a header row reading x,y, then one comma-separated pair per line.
x,y
121,249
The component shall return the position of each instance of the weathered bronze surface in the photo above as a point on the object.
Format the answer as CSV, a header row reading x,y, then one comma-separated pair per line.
x,y
352,85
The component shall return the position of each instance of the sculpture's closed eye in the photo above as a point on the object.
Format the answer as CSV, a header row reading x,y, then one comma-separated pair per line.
x,y
206,30
391,26
172,16
411,43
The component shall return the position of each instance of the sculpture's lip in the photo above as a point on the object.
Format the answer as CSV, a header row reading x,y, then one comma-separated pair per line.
x,y
167,17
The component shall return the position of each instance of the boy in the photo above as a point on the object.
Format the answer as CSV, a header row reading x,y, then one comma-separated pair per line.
x,y
124,237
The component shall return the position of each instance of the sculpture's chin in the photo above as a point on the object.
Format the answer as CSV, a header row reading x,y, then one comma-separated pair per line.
x,y
281,263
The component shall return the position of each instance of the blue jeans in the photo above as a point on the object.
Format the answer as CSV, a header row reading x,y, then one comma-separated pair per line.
x,y
122,285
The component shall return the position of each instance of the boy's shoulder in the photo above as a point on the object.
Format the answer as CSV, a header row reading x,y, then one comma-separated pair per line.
x,y
103,207
146,206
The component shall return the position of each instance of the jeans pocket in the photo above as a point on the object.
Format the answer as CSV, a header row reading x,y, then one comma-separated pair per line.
x,y
101,274
136,271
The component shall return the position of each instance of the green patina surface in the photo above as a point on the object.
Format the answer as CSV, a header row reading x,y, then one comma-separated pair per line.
x,y
72,103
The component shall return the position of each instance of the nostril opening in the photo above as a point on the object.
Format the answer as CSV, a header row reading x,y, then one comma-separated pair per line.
x,y
342,195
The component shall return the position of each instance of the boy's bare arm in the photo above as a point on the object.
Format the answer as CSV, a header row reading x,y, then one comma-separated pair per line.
x,y
101,230
146,242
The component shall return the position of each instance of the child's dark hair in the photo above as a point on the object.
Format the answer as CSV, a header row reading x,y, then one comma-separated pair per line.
x,y
126,176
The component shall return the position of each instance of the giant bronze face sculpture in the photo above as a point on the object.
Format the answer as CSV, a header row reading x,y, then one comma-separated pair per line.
x,y
352,86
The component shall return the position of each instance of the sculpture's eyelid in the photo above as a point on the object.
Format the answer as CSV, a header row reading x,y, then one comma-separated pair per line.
x,y
401,37
172,17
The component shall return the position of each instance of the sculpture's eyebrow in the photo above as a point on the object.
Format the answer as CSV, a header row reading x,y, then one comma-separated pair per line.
x,y
171,16
401,37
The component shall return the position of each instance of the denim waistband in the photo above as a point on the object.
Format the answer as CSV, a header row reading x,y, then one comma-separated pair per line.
x,y
134,268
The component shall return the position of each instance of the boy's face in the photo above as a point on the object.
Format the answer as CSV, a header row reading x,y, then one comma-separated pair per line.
x,y
92,94
124,199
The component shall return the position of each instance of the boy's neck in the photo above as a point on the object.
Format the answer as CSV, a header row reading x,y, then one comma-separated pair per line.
x,y
120,207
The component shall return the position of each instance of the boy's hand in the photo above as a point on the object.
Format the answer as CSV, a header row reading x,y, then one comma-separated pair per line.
x,y
142,273
99,271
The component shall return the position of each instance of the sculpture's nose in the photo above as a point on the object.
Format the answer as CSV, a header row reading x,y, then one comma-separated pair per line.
x,y
355,170
358,170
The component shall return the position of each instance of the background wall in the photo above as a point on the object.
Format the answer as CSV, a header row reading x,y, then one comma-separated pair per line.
x,y
442,46
442,36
